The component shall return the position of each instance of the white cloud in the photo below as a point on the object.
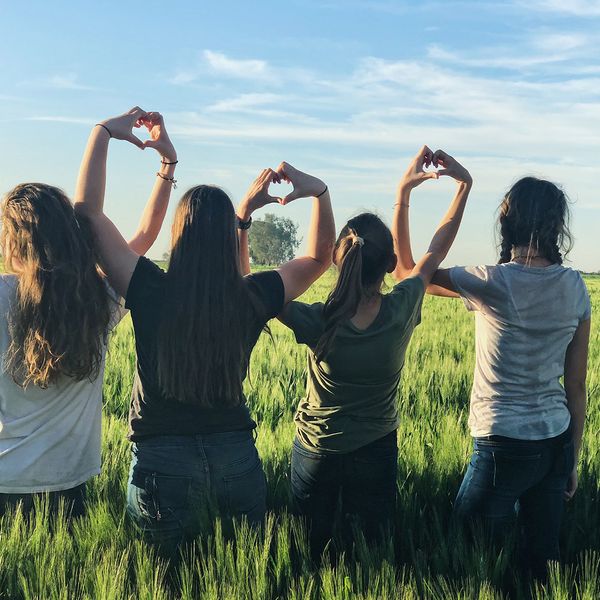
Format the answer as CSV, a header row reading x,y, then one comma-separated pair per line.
x,y
59,119
63,81
579,8
238,68
245,102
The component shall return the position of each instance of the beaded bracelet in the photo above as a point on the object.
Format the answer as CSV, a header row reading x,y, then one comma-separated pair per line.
x,y
172,180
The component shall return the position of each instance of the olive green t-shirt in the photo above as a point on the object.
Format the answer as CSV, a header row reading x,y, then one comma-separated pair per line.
x,y
351,397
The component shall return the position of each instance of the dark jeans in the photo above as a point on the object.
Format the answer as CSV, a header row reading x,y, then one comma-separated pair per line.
x,y
73,500
507,478
179,484
363,481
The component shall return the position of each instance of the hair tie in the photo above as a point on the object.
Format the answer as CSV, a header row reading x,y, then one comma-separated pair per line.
x,y
356,239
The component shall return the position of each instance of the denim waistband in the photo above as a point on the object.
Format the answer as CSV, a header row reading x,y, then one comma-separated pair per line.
x,y
207,439
502,440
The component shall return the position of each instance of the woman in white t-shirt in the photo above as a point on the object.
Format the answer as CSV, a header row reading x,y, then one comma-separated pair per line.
x,y
532,322
55,315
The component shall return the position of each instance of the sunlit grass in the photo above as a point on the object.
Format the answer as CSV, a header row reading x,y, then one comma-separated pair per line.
x,y
102,557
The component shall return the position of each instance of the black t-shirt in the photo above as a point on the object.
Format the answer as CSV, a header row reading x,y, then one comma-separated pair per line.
x,y
152,413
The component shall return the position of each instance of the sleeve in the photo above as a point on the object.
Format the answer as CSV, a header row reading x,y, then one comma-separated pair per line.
x,y
585,302
142,283
268,285
471,283
408,296
306,321
117,307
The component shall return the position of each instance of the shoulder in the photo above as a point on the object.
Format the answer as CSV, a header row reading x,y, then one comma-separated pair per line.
x,y
268,286
305,320
148,278
410,284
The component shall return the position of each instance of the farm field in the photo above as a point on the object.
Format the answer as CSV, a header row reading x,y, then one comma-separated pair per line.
x,y
103,558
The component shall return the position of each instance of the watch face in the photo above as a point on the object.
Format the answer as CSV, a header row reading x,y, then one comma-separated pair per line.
x,y
244,224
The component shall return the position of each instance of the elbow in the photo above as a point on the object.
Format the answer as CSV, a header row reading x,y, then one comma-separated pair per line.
x,y
401,272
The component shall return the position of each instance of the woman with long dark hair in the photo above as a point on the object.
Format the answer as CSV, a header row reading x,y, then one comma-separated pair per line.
x,y
56,314
345,447
532,322
195,328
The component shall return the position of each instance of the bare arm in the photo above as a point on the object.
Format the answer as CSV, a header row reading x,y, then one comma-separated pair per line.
x,y
256,197
575,388
299,274
156,208
414,176
118,260
448,227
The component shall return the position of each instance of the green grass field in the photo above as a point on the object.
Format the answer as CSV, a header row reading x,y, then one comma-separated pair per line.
x,y
103,559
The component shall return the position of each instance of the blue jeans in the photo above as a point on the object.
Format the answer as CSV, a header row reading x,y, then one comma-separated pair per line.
x,y
510,478
362,481
179,484
73,500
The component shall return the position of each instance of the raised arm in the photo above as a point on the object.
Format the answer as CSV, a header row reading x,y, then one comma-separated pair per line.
x,y
299,274
444,236
414,176
118,260
256,197
575,387
156,208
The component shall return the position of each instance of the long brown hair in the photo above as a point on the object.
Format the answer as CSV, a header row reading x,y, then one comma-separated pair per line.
x,y
535,214
363,253
59,320
203,336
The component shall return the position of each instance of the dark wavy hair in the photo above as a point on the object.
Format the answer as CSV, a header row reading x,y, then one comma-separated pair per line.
x,y
203,336
361,271
535,214
58,323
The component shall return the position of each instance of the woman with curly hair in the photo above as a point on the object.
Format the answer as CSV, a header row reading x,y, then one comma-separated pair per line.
x,y
56,312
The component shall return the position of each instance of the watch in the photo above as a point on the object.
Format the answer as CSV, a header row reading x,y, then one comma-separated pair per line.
x,y
244,224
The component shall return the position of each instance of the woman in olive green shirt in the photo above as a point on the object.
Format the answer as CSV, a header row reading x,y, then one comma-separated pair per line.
x,y
346,424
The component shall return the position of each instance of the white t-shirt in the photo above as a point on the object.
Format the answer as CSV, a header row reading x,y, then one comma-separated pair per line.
x,y
525,320
49,439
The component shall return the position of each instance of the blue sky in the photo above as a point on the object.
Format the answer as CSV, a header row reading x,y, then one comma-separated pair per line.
x,y
348,90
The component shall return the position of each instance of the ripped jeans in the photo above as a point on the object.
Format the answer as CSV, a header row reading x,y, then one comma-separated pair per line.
x,y
509,479
179,484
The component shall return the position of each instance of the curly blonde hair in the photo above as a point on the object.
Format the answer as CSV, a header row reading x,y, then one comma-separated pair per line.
x,y
58,322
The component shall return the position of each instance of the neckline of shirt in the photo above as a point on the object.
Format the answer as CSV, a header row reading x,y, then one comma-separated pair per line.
x,y
530,269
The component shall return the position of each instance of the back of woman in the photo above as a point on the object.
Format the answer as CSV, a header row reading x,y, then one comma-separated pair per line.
x,y
195,327
345,449
526,318
351,397
532,328
54,318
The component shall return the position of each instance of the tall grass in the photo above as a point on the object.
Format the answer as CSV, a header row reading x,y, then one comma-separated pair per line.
x,y
102,558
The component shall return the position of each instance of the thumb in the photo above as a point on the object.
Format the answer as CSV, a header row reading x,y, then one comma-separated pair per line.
x,y
431,175
149,143
135,141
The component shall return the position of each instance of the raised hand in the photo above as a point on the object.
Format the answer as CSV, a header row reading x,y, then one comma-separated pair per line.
x,y
305,185
159,138
415,174
121,127
450,167
257,195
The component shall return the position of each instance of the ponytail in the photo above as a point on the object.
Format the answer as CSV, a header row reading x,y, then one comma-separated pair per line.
x,y
344,299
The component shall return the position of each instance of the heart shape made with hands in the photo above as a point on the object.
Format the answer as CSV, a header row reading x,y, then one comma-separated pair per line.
x,y
280,190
